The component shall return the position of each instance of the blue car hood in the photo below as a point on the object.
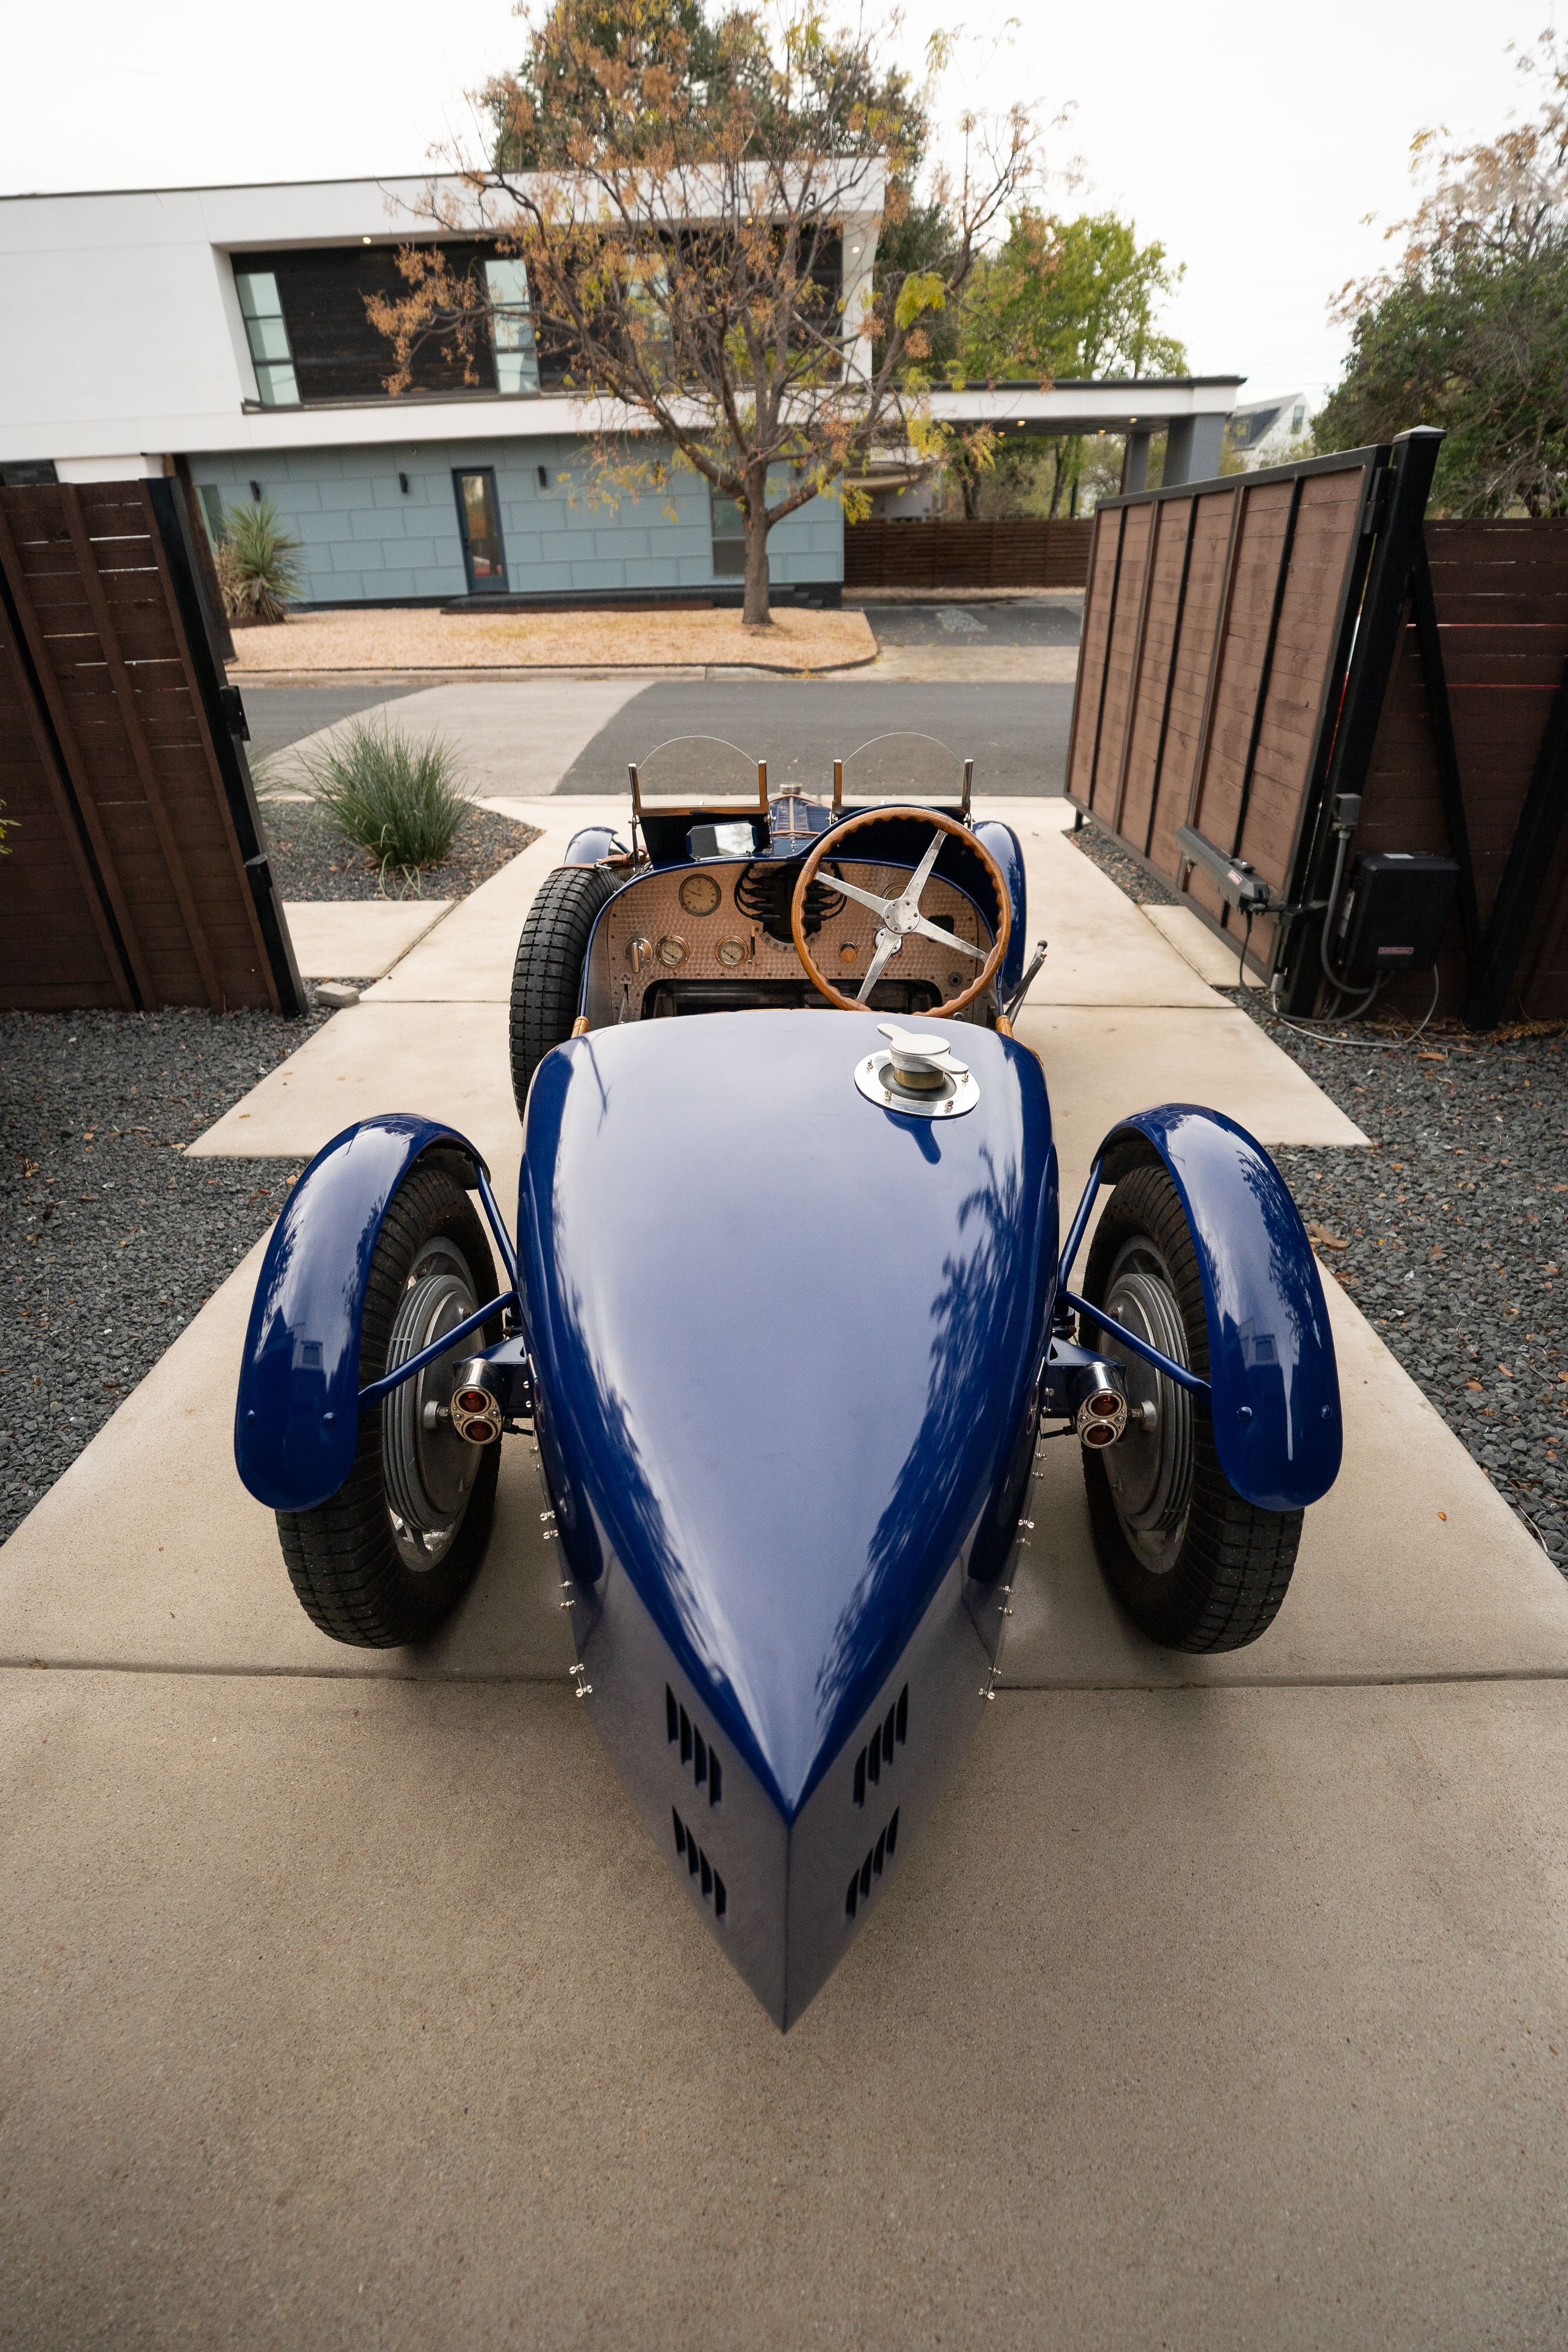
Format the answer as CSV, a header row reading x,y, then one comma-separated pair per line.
x,y
785,1339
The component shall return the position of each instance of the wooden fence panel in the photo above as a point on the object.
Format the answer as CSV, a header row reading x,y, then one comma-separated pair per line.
x,y
1500,590
1007,553
106,682
57,949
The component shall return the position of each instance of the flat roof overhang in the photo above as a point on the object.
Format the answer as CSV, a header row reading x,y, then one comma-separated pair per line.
x,y
1109,404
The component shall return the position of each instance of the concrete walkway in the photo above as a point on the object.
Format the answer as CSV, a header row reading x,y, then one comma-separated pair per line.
x,y
346,2001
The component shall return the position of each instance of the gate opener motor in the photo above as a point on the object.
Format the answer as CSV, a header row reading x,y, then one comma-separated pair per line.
x,y
1239,885
1392,915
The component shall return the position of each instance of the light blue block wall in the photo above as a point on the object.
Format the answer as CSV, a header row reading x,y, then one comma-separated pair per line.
x,y
365,540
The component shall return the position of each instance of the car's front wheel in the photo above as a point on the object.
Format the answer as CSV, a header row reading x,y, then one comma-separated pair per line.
x,y
547,978
1195,1564
391,1554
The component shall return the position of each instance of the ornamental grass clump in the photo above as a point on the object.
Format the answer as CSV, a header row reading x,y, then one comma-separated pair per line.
x,y
257,563
399,799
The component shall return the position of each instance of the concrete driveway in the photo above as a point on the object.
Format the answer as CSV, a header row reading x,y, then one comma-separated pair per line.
x,y
346,2002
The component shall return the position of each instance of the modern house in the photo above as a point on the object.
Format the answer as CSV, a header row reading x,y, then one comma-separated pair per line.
x,y
1268,432
221,335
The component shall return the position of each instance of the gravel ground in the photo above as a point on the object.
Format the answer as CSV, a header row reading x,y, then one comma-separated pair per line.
x,y
311,861
1451,1235
109,1238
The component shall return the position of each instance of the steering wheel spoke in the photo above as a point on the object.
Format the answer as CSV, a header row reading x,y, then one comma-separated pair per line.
x,y
881,907
888,944
909,904
930,931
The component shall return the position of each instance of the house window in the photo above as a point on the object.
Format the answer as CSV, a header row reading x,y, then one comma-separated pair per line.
x,y
263,315
512,328
729,538
212,502
1299,418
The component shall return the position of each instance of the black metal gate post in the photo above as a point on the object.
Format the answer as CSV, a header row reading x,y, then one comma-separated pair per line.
x,y
1399,516
221,708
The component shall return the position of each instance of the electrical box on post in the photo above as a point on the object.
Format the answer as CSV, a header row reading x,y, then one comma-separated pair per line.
x,y
1392,915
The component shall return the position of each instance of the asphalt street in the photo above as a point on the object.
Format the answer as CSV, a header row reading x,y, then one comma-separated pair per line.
x,y
1015,733
1025,622
1015,730
281,715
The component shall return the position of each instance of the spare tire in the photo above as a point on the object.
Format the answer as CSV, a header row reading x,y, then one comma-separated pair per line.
x,y
547,978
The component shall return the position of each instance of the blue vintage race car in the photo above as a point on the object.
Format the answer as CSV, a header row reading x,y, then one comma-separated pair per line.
x,y
787,1316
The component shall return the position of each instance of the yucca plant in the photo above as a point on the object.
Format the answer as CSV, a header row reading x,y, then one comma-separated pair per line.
x,y
257,563
398,798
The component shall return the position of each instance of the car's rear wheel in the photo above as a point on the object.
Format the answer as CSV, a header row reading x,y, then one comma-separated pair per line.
x,y
391,1554
547,978
1195,1564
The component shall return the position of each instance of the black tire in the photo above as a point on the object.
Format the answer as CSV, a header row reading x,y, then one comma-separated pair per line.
x,y
382,1563
547,978
1195,1566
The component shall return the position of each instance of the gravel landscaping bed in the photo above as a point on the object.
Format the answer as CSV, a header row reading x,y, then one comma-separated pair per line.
x,y
110,1239
1451,1234
311,861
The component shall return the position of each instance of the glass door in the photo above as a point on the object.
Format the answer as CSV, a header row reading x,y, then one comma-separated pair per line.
x,y
479,519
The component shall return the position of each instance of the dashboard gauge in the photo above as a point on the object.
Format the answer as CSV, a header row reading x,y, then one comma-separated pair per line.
x,y
731,952
639,952
700,894
672,948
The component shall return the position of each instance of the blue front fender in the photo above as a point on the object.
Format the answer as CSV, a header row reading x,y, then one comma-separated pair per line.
x,y
1274,1382
297,1417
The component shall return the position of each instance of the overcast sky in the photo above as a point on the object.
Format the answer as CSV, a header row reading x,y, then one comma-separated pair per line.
x,y
1252,141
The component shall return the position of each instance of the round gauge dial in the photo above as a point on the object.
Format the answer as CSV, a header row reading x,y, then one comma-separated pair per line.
x,y
699,894
731,952
672,948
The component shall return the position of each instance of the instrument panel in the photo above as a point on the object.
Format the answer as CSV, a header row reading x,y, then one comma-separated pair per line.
x,y
692,924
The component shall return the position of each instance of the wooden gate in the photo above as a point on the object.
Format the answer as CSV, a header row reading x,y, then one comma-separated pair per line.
x,y
1256,647
137,874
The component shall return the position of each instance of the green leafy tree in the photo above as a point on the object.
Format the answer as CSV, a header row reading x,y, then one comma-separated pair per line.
x,y
681,189
1078,297
1070,298
1469,331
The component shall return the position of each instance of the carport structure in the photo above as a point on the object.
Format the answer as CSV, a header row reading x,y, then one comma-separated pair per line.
x,y
1191,410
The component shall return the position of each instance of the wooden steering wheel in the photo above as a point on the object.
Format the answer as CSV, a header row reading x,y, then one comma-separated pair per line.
x,y
897,917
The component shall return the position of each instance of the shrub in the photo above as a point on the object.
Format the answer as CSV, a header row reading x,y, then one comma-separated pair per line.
x,y
256,564
397,798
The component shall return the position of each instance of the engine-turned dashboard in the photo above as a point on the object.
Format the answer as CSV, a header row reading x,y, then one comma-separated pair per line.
x,y
716,937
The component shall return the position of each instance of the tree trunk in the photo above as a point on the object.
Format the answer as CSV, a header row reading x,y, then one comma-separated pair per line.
x,y
754,611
